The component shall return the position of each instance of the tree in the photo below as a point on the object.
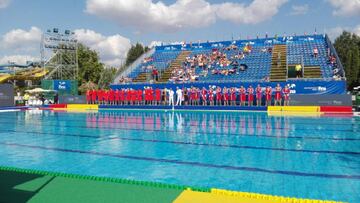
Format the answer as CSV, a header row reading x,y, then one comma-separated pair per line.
x,y
106,78
355,65
90,67
135,52
347,46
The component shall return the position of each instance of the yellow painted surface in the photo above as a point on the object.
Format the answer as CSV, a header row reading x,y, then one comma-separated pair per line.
x,y
4,77
294,108
189,196
295,114
274,108
257,198
82,107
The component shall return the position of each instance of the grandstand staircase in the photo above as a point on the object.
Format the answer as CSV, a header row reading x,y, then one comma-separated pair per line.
x,y
142,77
312,72
165,76
278,72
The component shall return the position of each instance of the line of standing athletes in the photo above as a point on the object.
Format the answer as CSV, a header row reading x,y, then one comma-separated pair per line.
x,y
192,96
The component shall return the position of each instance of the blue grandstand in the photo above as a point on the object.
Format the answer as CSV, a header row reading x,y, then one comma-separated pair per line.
x,y
259,63
292,59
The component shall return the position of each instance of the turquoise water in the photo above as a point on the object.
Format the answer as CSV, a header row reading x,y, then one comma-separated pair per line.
x,y
305,157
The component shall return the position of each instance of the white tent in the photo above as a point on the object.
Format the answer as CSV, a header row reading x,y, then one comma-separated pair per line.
x,y
39,90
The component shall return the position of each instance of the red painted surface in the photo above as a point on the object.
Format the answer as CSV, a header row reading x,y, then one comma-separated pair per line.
x,y
58,106
338,109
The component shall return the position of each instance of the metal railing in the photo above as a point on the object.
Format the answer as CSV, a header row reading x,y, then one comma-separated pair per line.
x,y
333,51
134,65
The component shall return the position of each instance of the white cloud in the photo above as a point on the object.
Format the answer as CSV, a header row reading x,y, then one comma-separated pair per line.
x,y
258,11
22,40
4,3
345,7
18,59
334,32
147,15
112,49
155,43
299,9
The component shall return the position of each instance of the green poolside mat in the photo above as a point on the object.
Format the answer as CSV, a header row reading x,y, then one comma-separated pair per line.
x,y
69,190
19,187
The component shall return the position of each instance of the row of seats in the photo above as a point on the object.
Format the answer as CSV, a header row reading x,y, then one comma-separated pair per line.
x,y
258,62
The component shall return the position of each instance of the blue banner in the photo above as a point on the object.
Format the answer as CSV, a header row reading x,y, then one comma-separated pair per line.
x,y
296,87
62,85
223,44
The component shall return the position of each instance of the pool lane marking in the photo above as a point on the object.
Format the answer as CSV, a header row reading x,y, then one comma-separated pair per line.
x,y
199,164
194,143
235,121
198,132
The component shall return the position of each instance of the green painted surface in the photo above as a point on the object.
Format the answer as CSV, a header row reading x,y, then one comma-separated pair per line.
x,y
36,188
9,180
35,184
73,190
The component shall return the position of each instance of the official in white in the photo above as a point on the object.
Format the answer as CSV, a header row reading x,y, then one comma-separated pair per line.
x,y
171,97
179,96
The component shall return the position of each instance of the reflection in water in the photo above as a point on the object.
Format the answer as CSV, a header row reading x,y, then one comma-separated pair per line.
x,y
218,123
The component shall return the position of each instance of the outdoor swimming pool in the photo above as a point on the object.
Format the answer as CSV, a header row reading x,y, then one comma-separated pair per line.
x,y
305,157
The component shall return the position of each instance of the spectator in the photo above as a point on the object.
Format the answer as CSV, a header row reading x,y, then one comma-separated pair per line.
x,y
155,74
315,52
298,70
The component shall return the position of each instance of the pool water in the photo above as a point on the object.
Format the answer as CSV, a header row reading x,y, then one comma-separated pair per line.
x,y
304,157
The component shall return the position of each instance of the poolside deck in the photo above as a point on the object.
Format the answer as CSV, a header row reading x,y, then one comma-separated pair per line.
x,y
19,185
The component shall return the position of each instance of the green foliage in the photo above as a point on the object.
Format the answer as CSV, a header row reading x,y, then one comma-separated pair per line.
x,y
90,67
92,71
135,52
107,76
347,46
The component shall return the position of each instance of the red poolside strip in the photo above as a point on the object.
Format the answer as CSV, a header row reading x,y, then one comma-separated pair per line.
x,y
58,106
337,109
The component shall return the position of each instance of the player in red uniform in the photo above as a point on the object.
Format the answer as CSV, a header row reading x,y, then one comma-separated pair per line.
x,y
106,96
225,96
151,96
111,96
99,96
233,96
198,96
128,96
157,96
204,96
242,96
268,95
117,97
211,96
93,96
250,92
286,94
218,96
278,91
122,96
192,96
88,96
258,95
140,96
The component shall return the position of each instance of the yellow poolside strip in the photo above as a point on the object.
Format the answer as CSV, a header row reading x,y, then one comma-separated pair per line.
x,y
226,196
82,107
295,108
189,196
295,114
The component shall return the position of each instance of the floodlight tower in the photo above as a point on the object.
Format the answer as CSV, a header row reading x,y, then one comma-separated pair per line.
x,y
59,54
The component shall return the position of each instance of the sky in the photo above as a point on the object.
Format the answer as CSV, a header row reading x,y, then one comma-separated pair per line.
x,y
111,26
